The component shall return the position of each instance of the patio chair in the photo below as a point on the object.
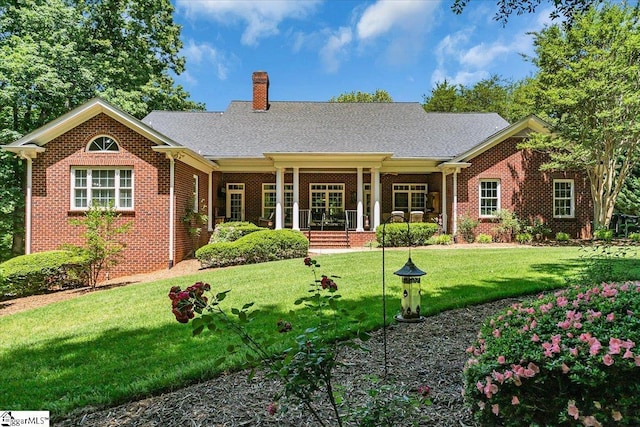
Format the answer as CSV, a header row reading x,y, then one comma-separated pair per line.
x,y
268,221
416,216
397,216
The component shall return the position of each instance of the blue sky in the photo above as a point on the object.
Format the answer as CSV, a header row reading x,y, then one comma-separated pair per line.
x,y
314,49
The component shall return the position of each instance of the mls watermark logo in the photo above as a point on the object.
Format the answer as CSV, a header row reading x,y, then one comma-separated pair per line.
x,y
24,418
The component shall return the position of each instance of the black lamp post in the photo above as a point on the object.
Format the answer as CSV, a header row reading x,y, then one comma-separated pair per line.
x,y
410,289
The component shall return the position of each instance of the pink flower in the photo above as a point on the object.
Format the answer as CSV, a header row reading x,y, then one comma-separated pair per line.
x,y
496,333
628,354
501,360
591,421
272,408
573,351
495,408
515,400
611,317
498,376
614,345
616,415
637,360
424,390
565,368
594,346
607,360
572,410
565,324
562,301
535,338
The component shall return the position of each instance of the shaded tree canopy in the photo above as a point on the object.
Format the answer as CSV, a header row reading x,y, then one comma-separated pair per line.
x,y
378,96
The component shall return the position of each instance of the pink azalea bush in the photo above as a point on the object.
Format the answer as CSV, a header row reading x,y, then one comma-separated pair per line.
x,y
567,358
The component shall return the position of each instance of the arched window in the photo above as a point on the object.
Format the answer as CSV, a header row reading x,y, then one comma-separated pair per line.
x,y
103,144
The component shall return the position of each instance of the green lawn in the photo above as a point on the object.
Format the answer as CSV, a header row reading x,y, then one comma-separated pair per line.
x,y
116,345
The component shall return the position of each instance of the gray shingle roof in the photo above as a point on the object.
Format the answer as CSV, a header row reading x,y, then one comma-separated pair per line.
x,y
404,129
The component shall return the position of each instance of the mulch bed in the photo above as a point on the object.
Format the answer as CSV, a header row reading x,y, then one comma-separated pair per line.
x,y
431,353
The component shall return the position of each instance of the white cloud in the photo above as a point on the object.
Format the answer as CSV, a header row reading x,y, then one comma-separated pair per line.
x,y
205,56
386,15
335,49
260,18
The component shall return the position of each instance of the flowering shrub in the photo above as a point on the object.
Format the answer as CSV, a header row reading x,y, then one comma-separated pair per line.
x,y
307,369
568,358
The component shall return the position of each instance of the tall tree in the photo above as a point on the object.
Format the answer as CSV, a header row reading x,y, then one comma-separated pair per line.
x,y
378,96
589,85
57,54
495,95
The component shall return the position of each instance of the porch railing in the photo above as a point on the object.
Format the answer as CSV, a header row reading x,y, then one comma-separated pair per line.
x,y
351,219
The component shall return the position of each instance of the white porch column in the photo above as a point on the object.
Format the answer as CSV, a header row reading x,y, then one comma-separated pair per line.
x,y
27,214
172,179
279,198
443,205
210,202
454,209
375,193
360,208
296,199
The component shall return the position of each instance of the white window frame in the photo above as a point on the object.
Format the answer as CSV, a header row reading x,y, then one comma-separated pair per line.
x,y
327,188
236,188
270,188
410,189
571,198
89,187
481,198
103,150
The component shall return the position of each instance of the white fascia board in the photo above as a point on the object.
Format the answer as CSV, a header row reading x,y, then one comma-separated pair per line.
x,y
188,157
83,113
328,160
533,123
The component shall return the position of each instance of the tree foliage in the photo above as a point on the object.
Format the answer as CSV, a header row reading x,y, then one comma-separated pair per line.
x,y
565,9
589,85
378,96
57,54
496,95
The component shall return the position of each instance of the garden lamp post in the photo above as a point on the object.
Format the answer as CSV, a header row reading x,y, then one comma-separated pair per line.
x,y
411,292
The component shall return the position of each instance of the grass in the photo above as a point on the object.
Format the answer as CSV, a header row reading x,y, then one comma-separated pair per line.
x,y
121,344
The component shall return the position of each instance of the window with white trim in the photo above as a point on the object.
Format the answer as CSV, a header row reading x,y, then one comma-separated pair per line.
x,y
103,144
102,187
196,192
269,201
409,197
489,197
563,198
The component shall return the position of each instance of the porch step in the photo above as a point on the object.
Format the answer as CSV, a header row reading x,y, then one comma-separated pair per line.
x,y
328,239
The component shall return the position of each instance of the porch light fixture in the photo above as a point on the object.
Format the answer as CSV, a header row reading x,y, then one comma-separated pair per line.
x,y
411,292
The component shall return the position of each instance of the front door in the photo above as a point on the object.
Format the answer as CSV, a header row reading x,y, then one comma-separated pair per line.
x,y
327,199
235,202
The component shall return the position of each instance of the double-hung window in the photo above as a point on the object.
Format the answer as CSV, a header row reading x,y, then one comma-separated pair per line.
x,y
563,198
489,200
107,187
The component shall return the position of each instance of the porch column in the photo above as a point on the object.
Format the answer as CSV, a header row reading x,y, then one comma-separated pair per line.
x,y
27,215
454,209
360,208
296,199
375,193
279,198
211,219
444,201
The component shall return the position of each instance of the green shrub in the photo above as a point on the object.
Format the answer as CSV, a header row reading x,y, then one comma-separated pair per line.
x,y
39,272
562,237
260,246
569,358
524,238
232,231
603,234
396,234
538,230
635,237
484,238
442,239
467,227
507,225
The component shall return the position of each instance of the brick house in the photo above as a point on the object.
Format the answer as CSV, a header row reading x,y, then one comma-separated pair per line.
x,y
301,165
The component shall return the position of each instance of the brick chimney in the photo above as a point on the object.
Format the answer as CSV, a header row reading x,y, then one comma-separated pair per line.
x,y
260,91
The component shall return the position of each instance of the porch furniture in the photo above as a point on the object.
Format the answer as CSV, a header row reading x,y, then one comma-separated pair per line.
x,y
416,216
397,216
268,221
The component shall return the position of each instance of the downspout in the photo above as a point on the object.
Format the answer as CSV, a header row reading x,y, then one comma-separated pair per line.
x,y
445,224
172,177
454,220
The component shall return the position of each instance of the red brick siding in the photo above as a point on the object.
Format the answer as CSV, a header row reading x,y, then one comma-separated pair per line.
x,y
524,189
147,242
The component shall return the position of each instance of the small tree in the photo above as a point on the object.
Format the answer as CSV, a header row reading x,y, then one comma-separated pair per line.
x,y
194,220
101,249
